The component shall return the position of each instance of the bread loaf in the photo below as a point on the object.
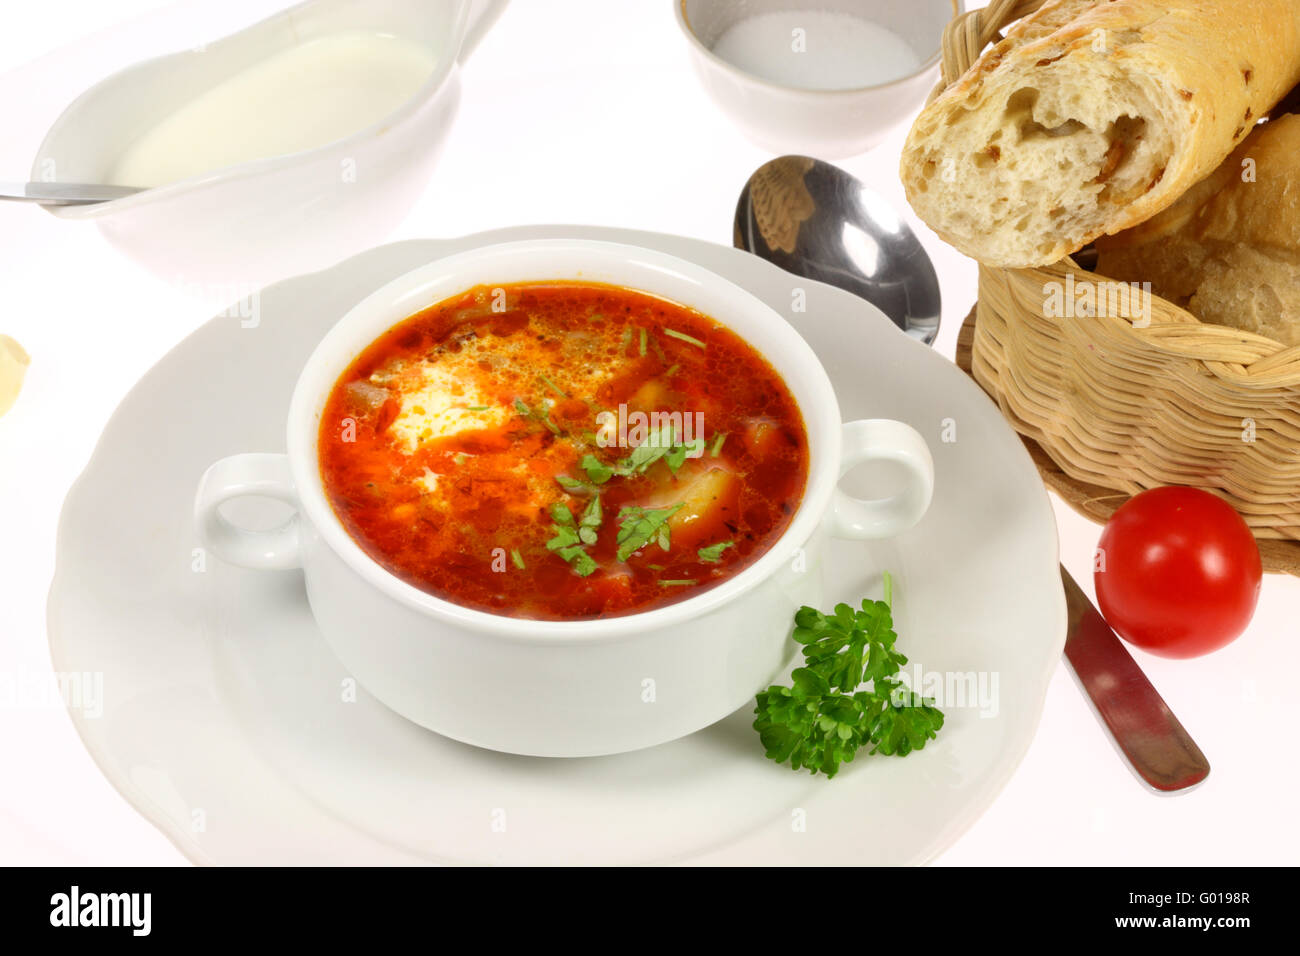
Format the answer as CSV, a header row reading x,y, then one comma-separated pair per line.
x,y
1229,250
1092,116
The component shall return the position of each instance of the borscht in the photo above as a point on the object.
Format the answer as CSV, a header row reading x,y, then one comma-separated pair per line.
x,y
562,451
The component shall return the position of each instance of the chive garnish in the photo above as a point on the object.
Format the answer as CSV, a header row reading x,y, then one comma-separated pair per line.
x,y
682,336
476,408
553,387
717,445
678,581
517,558
643,337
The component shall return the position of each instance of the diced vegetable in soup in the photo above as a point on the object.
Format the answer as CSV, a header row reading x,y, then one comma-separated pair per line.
x,y
562,451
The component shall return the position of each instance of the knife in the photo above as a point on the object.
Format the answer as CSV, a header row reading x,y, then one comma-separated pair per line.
x,y
64,194
1144,728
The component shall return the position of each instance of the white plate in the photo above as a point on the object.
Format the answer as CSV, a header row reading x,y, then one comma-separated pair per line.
x,y
223,716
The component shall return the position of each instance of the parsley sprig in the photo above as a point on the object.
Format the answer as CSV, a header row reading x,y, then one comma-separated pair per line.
x,y
823,718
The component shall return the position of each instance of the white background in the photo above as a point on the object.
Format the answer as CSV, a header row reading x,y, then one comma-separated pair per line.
x,y
581,111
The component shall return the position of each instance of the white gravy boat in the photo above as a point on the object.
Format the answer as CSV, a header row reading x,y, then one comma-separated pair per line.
x,y
246,224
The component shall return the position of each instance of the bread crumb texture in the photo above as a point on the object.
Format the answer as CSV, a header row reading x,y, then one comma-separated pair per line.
x,y
1090,117
1229,250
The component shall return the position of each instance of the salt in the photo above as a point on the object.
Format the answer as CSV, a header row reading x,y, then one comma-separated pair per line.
x,y
817,50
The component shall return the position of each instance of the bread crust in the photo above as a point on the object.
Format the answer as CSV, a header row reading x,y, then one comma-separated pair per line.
x,y
1198,74
1229,249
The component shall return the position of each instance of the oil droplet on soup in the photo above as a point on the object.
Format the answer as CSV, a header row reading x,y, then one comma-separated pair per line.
x,y
562,451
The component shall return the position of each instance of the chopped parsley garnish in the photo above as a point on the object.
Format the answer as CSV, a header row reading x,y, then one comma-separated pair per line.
x,y
713,553
823,718
678,454
661,444
542,414
683,337
575,487
589,524
597,471
597,474
639,526
655,446
572,537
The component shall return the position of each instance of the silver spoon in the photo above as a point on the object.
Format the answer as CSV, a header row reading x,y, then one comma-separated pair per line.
x,y
64,194
815,220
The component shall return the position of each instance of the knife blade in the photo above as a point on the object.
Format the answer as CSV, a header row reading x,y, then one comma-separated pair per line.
x,y
1144,728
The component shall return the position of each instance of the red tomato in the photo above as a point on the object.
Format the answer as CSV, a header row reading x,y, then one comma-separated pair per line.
x,y
1178,573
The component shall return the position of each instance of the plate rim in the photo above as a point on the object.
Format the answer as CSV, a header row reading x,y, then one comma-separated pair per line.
x,y
671,244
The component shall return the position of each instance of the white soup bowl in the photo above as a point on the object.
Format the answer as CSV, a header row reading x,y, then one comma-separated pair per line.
x,y
563,688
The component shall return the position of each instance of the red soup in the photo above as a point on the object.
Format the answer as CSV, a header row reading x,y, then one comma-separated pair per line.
x,y
562,451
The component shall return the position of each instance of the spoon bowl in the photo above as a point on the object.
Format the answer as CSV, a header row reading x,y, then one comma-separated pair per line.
x,y
815,220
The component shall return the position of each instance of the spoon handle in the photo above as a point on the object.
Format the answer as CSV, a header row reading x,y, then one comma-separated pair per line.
x,y
1144,728
64,194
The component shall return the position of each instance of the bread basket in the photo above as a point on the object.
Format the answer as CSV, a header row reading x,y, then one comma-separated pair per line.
x,y
1126,400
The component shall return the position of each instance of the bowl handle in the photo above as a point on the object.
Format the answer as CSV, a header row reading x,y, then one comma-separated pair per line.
x,y
239,476
883,439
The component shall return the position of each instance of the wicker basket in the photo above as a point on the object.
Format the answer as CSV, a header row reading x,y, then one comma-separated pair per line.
x,y
1129,403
